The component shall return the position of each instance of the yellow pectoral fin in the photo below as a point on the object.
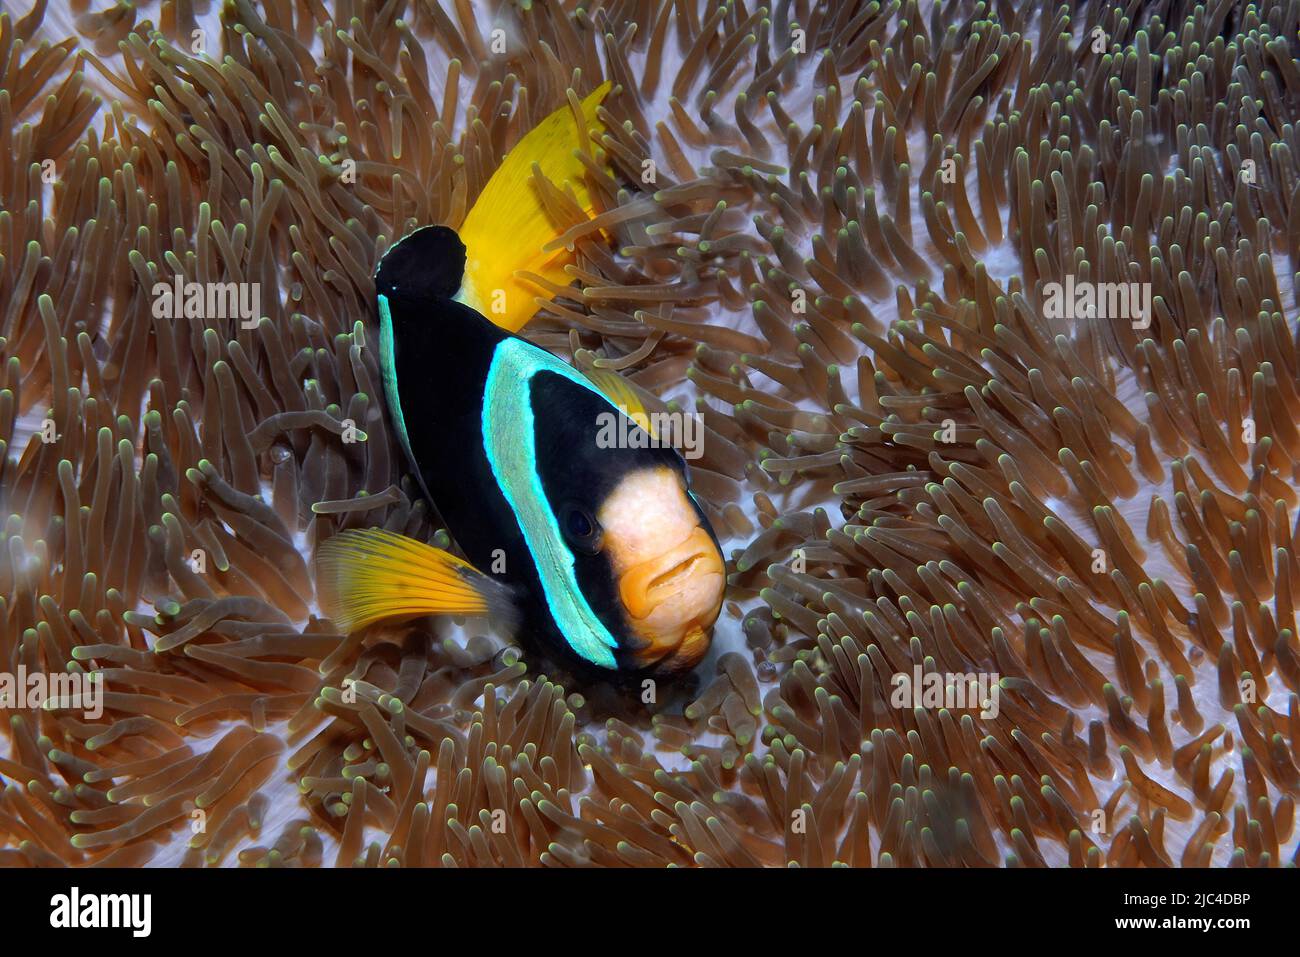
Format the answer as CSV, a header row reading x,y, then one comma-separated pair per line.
x,y
620,392
366,575
509,224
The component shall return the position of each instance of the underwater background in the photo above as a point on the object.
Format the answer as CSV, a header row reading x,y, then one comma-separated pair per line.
x,y
841,234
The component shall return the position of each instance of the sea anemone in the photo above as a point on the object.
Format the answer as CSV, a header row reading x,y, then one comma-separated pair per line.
x,y
848,236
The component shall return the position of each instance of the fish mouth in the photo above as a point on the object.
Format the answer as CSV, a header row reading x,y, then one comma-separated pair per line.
x,y
676,573
672,601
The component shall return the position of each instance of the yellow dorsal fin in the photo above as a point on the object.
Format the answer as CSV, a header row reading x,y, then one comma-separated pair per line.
x,y
620,392
508,225
368,574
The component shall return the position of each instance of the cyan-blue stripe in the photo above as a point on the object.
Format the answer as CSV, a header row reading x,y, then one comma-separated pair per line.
x,y
508,438
388,370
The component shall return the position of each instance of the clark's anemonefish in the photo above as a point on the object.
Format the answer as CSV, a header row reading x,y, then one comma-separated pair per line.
x,y
603,554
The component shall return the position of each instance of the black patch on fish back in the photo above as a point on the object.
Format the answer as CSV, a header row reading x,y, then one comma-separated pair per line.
x,y
428,263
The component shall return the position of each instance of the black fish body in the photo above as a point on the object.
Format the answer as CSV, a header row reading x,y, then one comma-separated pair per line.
x,y
506,441
576,522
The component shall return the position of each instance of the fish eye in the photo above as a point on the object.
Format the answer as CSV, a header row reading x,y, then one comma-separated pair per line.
x,y
581,528
579,525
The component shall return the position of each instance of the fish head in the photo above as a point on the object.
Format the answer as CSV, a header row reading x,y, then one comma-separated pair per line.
x,y
645,556
666,562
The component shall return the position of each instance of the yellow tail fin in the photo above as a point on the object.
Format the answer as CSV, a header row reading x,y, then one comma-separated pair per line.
x,y
508,225
365,575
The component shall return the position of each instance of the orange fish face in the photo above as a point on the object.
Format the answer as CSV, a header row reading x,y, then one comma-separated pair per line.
x,y
668,569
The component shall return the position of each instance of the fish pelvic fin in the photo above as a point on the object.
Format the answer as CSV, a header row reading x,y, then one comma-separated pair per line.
x,y
369,574
539,185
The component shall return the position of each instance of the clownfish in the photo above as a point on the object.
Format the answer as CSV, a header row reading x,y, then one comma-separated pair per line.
x,y
603,555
